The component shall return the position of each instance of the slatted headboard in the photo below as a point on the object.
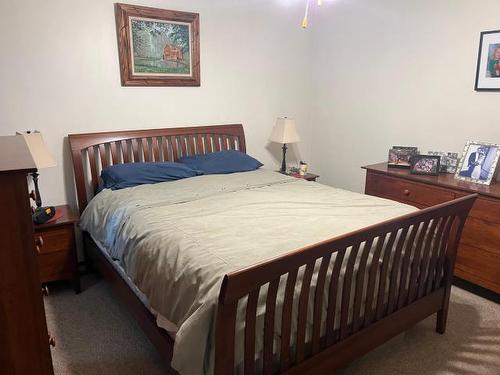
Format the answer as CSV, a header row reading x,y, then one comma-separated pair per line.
x,y
92,152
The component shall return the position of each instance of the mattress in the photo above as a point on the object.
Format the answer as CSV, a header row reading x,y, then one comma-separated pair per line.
x,y
176,240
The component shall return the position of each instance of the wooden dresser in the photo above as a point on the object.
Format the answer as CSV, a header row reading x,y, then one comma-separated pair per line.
x,y
24,341
478,258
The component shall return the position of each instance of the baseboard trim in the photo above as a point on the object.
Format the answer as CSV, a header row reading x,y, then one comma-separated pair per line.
x,y
476,289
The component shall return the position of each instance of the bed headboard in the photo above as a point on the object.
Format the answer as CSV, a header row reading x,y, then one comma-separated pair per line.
x,y
92,152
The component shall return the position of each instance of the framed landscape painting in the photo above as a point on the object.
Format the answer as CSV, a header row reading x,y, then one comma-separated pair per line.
x,y
488,62
158,47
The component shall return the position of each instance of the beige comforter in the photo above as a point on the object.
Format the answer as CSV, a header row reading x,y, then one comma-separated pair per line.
x,y
176,240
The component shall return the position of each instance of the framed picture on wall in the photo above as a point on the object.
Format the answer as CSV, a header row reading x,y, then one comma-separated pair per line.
x,y
488,62
158,47
479,162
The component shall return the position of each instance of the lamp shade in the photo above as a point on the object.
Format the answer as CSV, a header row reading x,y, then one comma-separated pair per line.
x,y
284,131
38,150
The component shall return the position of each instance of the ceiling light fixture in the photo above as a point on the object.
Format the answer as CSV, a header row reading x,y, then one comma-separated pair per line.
x,y
305,21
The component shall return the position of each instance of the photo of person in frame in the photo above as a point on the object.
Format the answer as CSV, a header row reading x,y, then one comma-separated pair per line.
x,y
493,69
478,162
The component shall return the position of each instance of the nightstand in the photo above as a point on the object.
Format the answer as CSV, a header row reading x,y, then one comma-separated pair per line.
x,y
307,176
55,244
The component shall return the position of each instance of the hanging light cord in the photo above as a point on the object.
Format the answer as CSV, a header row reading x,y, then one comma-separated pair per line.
x,y
305,21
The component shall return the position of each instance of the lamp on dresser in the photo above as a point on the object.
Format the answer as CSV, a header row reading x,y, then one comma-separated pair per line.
x,y
284,132
43,159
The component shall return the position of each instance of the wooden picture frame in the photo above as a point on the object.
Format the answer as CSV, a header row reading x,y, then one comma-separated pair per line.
x,y
157,47
488,62
426,165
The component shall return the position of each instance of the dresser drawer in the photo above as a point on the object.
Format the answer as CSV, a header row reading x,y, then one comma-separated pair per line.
x,y
487,210
406,191
55,239
482,234
56,266
478,266
478,259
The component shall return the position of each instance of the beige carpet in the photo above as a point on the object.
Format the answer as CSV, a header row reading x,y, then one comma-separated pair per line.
x,y
95,335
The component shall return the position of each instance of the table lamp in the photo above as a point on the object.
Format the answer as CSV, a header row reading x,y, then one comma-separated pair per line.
x,y
284,132
41,156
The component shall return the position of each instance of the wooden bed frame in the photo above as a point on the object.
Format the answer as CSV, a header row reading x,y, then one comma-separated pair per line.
x,y
408,278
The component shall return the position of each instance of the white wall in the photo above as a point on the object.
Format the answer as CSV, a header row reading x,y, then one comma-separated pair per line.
x,y
397,72
59,74
366,75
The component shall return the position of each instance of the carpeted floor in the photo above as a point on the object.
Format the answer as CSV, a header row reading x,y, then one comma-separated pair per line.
x,y
95,335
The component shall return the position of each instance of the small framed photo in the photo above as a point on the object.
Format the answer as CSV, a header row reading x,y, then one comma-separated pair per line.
x,y
448,162
479,162
425,164
400,156
488,62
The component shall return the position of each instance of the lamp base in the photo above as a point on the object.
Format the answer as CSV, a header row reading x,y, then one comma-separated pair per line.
x,y
38,199
283,162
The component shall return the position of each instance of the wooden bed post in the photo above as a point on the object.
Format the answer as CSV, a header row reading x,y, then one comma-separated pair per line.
x,y
451,254
225,333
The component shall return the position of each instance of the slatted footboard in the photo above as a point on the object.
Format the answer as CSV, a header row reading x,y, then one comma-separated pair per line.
x,y
364,288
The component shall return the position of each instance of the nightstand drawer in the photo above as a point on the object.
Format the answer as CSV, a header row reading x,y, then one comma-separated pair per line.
x,y
56,266
405,191
55,239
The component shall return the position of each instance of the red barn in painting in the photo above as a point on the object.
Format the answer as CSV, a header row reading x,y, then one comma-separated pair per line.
x,y
172,53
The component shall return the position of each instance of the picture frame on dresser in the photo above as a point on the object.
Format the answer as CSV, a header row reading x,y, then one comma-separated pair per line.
x,y
448,162
400,156
479,162
426,165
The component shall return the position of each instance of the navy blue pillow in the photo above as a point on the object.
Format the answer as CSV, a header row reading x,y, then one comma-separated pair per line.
x,y
221,162
121,176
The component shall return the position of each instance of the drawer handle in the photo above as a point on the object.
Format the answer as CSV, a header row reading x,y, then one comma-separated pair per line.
x,y
52,341
45,291
39,243
406,192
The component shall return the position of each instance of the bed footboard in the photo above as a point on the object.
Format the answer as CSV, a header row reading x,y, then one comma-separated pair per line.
x,y
365,287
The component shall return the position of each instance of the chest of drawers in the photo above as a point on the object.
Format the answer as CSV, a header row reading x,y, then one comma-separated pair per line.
x,y
478,258
24,340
